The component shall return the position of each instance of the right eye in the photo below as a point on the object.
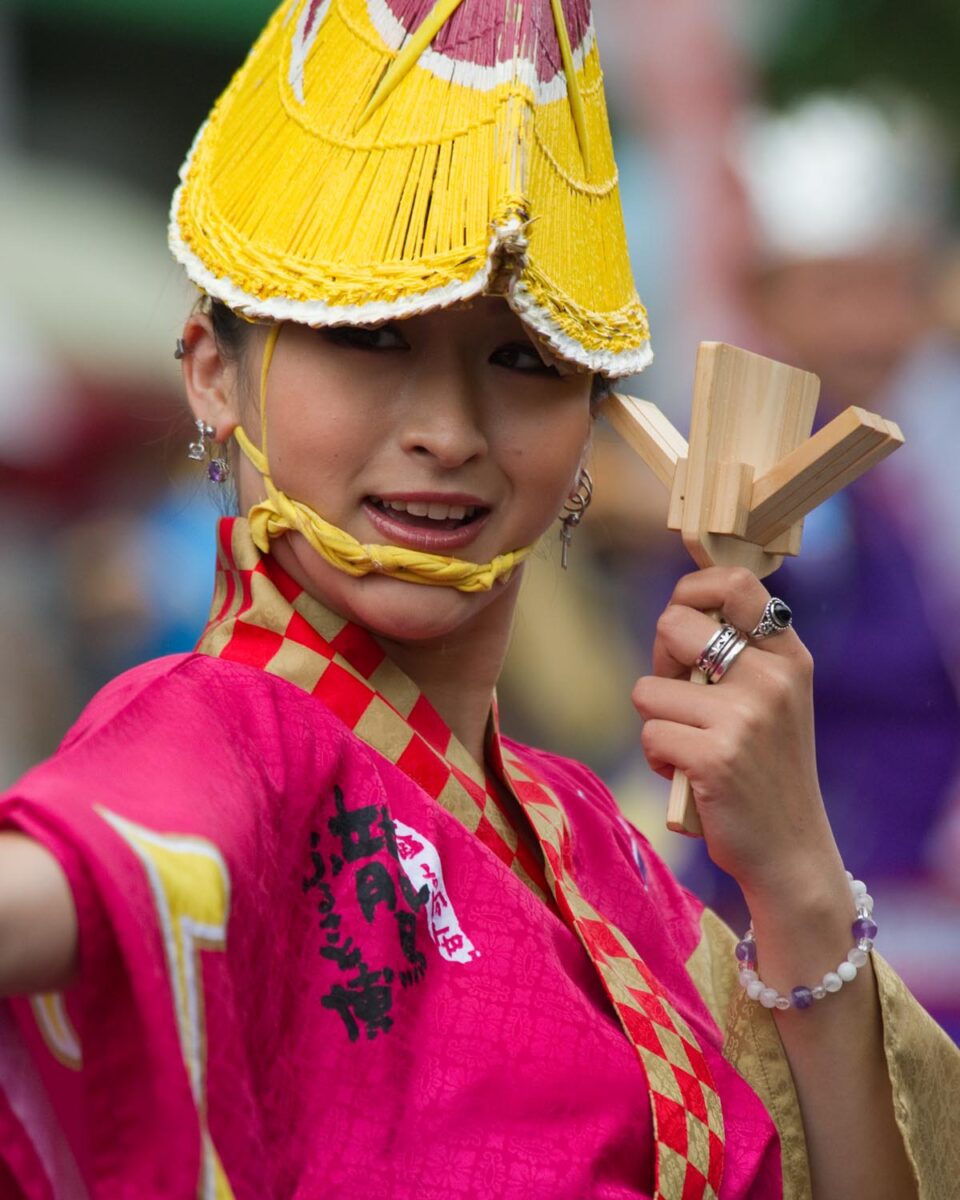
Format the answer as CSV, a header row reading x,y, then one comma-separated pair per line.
x,y
366,337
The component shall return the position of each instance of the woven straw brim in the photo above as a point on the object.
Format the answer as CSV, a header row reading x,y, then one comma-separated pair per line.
x,y
288,211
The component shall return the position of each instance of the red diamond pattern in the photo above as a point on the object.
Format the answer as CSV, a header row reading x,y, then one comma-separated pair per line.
x,y
343,694
251,644
423,764
429,724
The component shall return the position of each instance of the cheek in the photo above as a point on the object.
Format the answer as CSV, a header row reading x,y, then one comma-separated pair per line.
x,y
566,437
309,437
544,459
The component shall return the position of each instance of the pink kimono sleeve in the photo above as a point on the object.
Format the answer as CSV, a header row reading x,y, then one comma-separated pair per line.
x,y
102,1086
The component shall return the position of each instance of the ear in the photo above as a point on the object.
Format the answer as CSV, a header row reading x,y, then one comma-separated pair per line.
x,y
210,380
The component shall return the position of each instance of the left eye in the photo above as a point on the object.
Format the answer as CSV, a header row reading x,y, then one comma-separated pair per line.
x,y
519,356
365,337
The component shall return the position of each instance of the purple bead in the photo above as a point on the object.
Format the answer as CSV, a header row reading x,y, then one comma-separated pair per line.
x,y
218,470
801,997
746,952
863,927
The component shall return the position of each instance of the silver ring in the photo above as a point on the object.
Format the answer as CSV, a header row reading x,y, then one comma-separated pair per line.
x,y
718,655
733,652
776,618
714,649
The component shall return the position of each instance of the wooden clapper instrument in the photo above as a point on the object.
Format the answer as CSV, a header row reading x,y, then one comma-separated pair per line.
x,y
740,490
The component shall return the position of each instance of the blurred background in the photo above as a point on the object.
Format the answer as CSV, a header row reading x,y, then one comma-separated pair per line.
x,y
791,183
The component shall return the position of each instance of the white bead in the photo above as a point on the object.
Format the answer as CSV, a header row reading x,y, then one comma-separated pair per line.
x,y
858,957
832,981
768,997
783,1003
747,976
819,991
847,971
858,887
754,988
849,875
865,901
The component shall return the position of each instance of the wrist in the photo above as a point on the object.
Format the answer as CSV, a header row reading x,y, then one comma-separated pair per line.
x,y
805,886
794,965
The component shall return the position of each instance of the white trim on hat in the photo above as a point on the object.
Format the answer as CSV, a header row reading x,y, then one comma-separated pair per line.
x,y
507,236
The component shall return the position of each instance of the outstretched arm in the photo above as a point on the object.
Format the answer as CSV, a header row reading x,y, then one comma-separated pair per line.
x,y
38,920
747,747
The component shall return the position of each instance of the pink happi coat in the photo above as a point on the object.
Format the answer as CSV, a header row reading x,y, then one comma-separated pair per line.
x,y
318,960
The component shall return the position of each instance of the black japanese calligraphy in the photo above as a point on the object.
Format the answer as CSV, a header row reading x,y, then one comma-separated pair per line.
x,y
364,1000
364,844
374,886
353,828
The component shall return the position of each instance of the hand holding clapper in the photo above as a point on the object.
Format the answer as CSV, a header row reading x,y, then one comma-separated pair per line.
x,y
740,490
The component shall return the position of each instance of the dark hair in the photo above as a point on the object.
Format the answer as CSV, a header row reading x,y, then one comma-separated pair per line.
x,y
230,330
599,391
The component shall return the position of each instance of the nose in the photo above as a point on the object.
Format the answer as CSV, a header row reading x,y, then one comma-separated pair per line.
x,y
444,420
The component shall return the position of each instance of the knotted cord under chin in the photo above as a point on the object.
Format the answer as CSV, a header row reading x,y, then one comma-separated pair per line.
x,y
279,514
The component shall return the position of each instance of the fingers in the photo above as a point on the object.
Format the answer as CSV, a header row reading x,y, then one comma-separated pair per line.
x,y
740,596
676,700
668,747
682,636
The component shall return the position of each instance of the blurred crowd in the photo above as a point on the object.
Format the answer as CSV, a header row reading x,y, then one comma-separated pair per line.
x,y
822,233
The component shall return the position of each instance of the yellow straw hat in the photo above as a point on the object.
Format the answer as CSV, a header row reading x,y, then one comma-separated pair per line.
x,y
374,159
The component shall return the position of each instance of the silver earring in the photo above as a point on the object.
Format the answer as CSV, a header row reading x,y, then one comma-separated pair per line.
x,y
573,512
181,349
218,469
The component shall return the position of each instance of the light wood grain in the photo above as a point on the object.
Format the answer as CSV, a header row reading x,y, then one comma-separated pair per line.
x,y
751,472
645,429
834,457
746,409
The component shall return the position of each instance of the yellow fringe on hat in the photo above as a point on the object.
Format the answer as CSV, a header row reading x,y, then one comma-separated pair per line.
x,y
278,514
293,207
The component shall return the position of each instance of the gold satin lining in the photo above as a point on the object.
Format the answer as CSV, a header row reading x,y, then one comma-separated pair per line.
x,y
924,1067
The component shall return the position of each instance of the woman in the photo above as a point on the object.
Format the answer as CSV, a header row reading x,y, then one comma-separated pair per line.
x,y
287,916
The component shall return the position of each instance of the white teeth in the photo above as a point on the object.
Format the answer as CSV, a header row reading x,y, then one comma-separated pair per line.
x,y
435,512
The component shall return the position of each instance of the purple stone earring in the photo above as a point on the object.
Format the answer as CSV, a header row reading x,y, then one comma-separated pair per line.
x,y
218,469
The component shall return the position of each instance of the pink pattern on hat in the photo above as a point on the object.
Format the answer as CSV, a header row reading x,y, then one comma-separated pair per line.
x,y
489,32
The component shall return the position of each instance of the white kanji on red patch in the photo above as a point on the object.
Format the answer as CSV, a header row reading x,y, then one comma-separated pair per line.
x,y
422,866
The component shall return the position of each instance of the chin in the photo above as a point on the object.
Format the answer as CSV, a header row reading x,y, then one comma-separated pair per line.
x,y
391,609
411,612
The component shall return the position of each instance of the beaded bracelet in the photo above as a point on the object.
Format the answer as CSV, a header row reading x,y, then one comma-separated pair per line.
x,y
864,930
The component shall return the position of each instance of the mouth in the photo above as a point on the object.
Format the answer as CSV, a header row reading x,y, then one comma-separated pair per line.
x,y
429,523
421,514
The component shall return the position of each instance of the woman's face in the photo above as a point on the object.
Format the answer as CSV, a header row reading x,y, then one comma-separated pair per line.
x,y
446,433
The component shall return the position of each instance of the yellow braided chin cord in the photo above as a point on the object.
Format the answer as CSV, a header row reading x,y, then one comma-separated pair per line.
x,y
278,514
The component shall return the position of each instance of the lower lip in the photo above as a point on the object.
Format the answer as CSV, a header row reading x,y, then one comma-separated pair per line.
x,y
430,541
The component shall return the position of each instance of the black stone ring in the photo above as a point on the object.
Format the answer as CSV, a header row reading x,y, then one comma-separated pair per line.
x,y
776,618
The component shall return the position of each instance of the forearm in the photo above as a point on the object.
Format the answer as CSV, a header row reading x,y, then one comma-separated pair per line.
x,y
38,922
835,1047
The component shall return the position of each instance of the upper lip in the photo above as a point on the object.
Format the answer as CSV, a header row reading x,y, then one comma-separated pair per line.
x,y
455,518
451,498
